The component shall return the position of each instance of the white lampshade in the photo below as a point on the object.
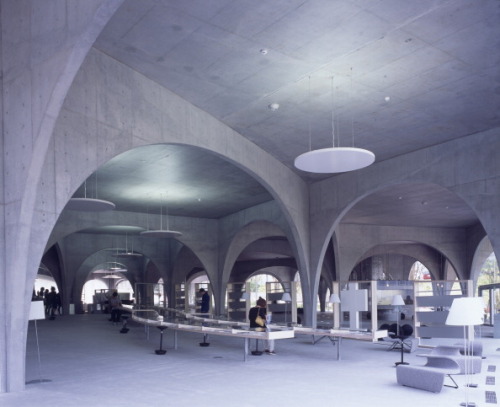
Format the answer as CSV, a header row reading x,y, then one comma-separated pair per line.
x,y
334,299
37,310
89,205
161,234
286,297
398,300
466,311
245,296
334,160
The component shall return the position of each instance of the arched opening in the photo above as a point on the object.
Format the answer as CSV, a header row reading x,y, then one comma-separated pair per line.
x,y
257,285
43,282
488,286
194,284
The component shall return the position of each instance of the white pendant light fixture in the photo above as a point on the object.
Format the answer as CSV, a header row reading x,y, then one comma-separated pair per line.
x,y
334,159
111,267
127,252
162,233
89,204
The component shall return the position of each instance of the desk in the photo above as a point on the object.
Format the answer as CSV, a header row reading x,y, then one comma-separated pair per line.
x,y
336,335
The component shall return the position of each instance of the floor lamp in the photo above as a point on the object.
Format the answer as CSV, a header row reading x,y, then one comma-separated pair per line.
x,y
466,312
397,301
287,298
37,311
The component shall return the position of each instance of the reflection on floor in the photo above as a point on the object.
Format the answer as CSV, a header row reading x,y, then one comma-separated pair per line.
x,y
86,361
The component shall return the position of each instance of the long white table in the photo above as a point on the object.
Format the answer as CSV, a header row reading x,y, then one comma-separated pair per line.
x,y
209,326
336,335
216,327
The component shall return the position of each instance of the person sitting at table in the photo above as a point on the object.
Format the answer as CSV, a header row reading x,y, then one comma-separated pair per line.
x,y
260,311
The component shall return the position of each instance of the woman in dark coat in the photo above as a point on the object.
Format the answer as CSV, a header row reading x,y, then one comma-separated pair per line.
x,y
260,310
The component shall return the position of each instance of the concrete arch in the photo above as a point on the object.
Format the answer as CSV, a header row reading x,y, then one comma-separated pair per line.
x,y
266,271
434,260
443,241
246,235
37,102
195,237
283,268
331,200
482,252
169,120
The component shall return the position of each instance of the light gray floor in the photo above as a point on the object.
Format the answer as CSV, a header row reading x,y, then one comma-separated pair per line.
x,y
89,363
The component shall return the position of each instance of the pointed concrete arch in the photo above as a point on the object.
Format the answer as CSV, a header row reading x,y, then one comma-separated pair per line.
x,y
36,103
333,199
246,235
433,259
482,252
170,120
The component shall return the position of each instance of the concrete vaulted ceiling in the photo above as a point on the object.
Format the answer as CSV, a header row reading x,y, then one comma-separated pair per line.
x,y
406,76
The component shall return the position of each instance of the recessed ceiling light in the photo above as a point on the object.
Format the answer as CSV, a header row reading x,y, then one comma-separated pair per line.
x,y
273,106
387,98
264,51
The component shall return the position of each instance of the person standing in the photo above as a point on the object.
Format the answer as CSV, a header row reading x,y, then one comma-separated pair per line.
x,y
51,299
115,305
58,303
260,311
205,301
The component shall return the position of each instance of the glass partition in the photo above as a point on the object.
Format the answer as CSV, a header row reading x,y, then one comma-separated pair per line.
x,y
390,316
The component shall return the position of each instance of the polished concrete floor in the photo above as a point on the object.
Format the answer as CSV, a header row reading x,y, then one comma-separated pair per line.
x,y
86,361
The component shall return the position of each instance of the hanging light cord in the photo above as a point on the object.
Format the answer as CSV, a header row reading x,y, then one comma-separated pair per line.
x,y
352,115
166,209
161,214
310,112
333,113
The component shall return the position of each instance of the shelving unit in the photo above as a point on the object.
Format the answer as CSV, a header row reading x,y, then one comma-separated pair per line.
x,y
180,297
433,300
237,308
281,311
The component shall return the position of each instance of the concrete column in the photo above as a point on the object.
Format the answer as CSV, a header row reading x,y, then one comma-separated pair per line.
x,y
36,74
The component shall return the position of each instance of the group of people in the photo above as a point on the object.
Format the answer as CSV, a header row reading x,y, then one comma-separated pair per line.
x,y
51,301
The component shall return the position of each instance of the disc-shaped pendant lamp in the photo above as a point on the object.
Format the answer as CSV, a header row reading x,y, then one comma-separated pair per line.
x,y
334,159
162,233
86,204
